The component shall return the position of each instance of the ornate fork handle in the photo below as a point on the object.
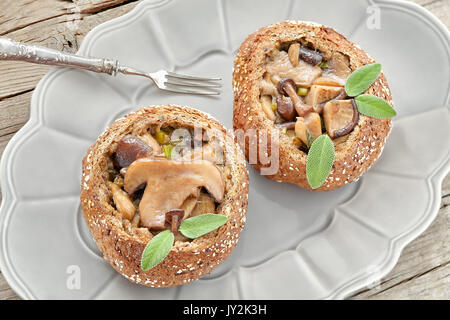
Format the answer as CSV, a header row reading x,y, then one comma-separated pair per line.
x,y
12,50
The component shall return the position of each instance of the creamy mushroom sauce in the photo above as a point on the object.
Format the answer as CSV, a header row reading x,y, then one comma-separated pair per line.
x,y
302,92
161,142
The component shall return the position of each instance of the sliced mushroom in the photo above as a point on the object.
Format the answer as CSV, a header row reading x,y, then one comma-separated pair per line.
x,y
285,108
148,139
338,67
303,74
168,184
210,151
267,87
328,81
293,53
340,117
266,103
190,203
312,57
341,96
319,94
287,87
205,204
123,203
129,149
311,123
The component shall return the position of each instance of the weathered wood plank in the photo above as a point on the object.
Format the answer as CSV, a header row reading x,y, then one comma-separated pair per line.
x,y
6,293
93,6
19,14
440,8
57,33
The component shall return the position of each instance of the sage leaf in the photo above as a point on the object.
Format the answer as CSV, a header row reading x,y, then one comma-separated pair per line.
x,y
157,250
200,225
320,160
374,107
361,79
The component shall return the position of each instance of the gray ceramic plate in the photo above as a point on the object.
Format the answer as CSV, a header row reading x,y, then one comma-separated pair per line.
x,y
297,244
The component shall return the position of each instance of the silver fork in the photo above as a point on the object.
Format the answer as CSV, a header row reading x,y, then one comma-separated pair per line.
x,y
164,80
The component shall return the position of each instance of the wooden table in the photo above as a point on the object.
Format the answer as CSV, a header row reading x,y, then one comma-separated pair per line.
x,y
423,271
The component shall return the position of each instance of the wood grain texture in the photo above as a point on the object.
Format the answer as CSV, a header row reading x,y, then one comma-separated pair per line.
x,y
423,271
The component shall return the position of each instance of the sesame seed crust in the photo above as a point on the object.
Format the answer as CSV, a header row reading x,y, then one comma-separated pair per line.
x,y
187,261
355,153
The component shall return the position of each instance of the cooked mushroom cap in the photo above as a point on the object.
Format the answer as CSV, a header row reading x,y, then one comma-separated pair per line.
x,y
340,117
312,57
310,122
319,94
282,86
285,108
129,149
169,184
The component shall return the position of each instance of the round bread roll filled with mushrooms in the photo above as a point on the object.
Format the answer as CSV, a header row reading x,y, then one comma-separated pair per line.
x,y
290,77
151,173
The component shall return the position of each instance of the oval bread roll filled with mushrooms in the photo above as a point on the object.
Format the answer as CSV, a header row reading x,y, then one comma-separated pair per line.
x,y
291,77
164,194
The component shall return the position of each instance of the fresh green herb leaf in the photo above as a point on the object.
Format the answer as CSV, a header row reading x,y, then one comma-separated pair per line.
x,y
374,107
200,225
157,250
361,79
320,160
302,91
309,138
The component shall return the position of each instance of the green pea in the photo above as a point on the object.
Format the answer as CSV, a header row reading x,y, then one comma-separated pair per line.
x,y
324,65
302,91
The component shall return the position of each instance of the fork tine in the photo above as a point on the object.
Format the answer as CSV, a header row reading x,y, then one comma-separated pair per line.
x,y
184,76
206,92
194,84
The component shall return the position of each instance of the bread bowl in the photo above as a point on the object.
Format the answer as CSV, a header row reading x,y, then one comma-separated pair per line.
x,y
312,62
135,147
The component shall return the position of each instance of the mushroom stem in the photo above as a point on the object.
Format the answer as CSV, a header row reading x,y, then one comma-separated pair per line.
x,y
174,217
174,224
287,125
300,107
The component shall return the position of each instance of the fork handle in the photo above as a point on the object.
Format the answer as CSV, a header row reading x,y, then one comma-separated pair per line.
x,y
13,50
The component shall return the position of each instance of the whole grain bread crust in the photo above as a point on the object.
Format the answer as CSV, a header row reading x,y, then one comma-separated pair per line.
x,y
362,146
187,261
